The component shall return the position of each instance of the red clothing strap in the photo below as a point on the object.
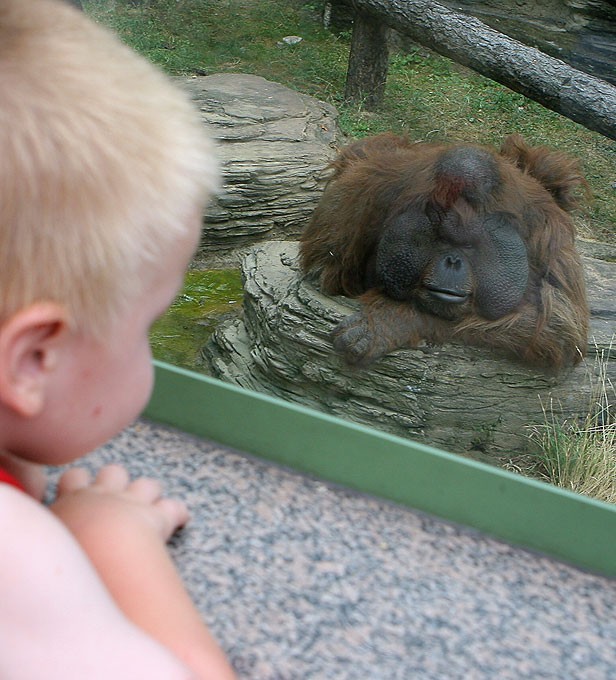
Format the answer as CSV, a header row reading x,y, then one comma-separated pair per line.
x,y
7,478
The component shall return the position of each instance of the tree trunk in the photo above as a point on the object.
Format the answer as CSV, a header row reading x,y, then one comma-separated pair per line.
x,y
549,81
368,63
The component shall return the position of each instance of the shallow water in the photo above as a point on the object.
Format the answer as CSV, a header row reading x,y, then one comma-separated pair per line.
x,y
206,299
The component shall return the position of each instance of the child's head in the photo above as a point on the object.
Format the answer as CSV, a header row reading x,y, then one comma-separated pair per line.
x,y
104,172
104,165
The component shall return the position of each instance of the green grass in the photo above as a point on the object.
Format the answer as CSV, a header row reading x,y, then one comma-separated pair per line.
x,y
427,96
201,36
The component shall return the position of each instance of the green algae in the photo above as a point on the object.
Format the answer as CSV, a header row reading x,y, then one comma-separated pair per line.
x,y
207,298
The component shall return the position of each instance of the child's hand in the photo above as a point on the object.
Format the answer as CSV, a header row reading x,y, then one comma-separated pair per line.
x,y
113,499
122,527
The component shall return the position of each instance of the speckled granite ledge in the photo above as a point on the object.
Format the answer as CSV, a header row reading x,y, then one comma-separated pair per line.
x,y
299,579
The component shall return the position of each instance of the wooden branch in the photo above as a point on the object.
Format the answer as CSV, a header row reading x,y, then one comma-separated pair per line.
x,y
549,81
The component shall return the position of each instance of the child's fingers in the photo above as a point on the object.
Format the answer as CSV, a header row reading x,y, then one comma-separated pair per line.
x,y
146,489
113,478
174,512
73,480
171,513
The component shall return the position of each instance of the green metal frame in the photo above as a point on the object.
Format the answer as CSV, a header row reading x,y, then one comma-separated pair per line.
x,y
522,511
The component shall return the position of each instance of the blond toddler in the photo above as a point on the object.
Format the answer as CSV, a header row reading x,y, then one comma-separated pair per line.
x,y
104,174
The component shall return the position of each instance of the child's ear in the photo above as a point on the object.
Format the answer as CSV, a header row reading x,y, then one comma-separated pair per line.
x,y
30,346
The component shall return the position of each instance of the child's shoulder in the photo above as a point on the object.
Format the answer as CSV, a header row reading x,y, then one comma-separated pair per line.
x,y
39,557
49,589
26,527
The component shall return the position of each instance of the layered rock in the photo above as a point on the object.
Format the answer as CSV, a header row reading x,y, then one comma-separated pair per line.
x,y
273,144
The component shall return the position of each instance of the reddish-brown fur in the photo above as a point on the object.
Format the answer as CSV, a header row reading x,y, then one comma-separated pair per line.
x,y
384,175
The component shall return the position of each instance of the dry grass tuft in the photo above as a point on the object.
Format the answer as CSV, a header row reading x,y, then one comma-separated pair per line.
x,y
581,456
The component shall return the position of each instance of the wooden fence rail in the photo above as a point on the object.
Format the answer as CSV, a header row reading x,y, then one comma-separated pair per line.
x,y
579,96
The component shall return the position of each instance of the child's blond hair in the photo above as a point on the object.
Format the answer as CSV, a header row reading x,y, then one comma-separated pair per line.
x,y
103,163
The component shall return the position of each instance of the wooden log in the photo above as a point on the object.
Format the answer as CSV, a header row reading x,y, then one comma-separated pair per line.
x,y
368,63
580,32
551,82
